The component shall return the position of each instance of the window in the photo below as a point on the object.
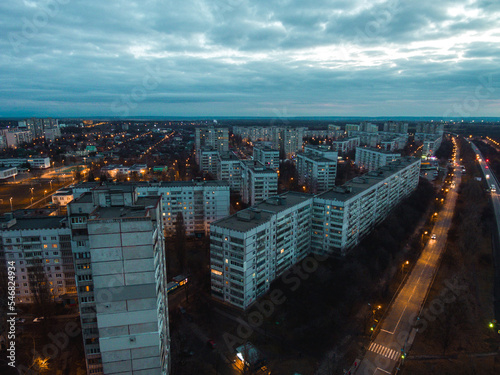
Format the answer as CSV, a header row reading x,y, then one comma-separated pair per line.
x,y
54,246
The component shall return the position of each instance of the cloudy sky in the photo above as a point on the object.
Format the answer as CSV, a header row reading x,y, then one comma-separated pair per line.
x,y
250,58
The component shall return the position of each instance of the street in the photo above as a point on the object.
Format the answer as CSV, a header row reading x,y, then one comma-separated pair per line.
x,y
396,333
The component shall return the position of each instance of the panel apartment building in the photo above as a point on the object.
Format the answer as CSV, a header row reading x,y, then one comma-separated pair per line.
x,y
215,137
250,249
343,216
268,156
200,202
258,182
41,250
370,159
254,247
118,249
229,170
317,168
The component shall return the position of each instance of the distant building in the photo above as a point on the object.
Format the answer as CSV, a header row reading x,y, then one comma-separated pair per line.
x,y
370,159
62,197
317,168
7,172
36,163
215,137
258,182
344,145
268,156
229,170
208,162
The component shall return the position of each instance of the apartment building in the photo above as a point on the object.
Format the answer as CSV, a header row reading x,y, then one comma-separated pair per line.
x,y
252,248
41,250
343,216
200,202
209,159
36,163
118,249
268,156
258,182
229,170
317,168
292,140
370,159
215,137
344,145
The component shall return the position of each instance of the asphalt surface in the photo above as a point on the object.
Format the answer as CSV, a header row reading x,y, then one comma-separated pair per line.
x,y
396,331
495,201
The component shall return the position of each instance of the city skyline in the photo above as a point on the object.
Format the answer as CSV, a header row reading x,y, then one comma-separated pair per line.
x,y
240,58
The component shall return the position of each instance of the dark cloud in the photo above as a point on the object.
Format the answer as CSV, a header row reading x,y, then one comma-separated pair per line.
x,y
242,57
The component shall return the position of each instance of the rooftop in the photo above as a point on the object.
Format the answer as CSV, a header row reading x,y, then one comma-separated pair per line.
x,y
359,184
118,212
378,150
260,213
50,222
257,167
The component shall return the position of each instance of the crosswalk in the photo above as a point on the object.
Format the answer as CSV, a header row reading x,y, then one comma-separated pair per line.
x,y
384,351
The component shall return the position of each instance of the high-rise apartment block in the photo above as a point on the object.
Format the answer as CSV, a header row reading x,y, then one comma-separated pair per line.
x,y
345,145
229,170
200,202
317,168
258,182
292,139
41,250
254,247
343,216
215,137
370,159
209,159
118,249
250,249
268,156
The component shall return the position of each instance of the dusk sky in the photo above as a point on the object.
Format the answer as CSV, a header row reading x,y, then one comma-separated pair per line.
x,y
250,58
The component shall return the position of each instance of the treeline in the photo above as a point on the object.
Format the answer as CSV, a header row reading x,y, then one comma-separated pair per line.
x,y
321,309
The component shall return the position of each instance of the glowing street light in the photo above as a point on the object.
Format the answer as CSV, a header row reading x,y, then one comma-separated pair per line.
x,y
10,203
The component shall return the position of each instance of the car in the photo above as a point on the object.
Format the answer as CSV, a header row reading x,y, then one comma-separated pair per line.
x,y
433,237
38,319
212,344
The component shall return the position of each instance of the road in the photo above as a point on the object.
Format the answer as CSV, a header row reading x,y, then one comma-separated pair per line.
x,y
495,201
396,331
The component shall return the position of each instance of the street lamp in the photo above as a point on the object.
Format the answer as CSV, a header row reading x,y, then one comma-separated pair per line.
x,y
50,185
11,203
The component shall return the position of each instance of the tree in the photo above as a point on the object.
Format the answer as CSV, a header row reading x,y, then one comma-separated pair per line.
x,y
39,287
180,240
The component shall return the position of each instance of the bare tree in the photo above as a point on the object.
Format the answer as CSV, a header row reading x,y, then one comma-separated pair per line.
x,y
180,240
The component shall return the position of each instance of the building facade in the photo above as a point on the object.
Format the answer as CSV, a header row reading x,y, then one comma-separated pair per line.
x,y
200,202
258,182
268,156
252,248
317,168
41,250
370,159
215,137
118,249
229,170
343,216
